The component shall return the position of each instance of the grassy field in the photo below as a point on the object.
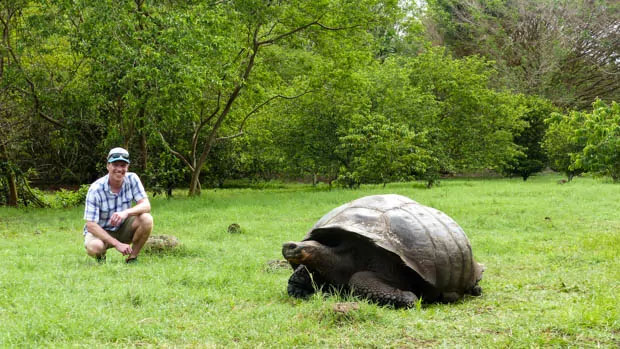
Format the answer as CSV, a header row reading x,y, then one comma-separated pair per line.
x,y
552,253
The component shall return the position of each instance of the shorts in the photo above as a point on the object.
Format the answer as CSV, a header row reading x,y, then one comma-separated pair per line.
x,y
123,234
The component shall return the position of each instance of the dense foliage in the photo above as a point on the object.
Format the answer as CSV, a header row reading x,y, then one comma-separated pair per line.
x,y
201,92
532,158
565,51
579,141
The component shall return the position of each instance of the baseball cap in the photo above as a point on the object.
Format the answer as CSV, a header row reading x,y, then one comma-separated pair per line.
x,y
118,154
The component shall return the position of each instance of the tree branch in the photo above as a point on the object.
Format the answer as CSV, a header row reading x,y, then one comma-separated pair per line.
x,y
37,107
204,122
305,26
247,116
72,74
229,137
174,152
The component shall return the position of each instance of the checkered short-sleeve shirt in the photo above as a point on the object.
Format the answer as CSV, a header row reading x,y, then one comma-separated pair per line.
x,y
101,202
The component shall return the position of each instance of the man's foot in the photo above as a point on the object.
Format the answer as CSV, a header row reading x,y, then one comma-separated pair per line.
x,y
131,260
100,259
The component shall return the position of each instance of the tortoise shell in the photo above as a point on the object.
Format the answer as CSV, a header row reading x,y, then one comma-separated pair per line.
x,y
425,239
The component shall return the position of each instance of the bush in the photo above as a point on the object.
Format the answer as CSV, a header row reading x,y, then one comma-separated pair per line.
x,y
601,132
26,196
164,173
590,142
70,198
381,151
533,158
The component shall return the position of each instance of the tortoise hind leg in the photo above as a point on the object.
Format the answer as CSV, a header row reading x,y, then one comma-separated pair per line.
x,y
302,284
369,285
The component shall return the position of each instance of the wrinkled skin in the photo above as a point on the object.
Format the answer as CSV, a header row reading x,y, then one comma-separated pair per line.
x,y
353,263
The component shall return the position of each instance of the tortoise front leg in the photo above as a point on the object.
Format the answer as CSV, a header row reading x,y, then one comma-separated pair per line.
x,y
369,285
300,284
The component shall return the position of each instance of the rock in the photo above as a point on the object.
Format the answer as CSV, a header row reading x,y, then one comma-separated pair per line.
x,y
161,243
345,308
234,228
277,264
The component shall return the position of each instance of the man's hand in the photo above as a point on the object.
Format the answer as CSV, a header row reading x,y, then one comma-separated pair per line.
x,y
125,249
118,218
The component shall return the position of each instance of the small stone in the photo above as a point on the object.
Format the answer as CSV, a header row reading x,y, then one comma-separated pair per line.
x,y
346,307
276,264
234,228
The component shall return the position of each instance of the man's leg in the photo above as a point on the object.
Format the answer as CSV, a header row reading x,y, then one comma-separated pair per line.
x,y
94,246
142,226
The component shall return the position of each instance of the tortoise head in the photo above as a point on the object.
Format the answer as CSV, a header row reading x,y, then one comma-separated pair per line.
x,y
305,252
334,263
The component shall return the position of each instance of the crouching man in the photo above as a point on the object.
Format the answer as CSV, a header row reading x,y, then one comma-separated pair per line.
x,y
110,219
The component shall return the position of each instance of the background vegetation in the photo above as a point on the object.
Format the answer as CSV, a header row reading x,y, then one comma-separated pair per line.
x,y
551,253
372,91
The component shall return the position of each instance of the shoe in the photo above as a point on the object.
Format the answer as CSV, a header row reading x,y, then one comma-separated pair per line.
x,y
131,260
100,259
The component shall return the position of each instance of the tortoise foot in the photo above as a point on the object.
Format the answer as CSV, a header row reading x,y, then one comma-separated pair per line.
x,y
300,283
476,291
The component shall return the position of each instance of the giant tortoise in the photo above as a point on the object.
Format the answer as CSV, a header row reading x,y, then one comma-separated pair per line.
x,y
388,249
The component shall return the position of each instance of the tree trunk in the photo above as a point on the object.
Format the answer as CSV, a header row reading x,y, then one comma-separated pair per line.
x,y
12,189
144,150
10,176
194,186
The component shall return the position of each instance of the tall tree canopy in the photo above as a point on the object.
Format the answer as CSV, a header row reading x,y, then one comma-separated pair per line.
x,y
566,51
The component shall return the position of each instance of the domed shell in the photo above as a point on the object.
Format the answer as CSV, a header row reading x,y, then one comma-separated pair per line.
x,y
426,239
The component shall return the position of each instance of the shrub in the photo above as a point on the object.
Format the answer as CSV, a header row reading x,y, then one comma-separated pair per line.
x,y
71,198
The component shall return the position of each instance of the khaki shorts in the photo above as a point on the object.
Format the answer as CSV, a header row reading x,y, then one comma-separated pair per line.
x,y
123,234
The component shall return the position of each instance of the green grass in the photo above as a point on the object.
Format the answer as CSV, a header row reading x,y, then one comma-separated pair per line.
x,y
552,254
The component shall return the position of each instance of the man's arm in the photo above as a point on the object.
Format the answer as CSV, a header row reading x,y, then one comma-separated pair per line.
x,y
143,206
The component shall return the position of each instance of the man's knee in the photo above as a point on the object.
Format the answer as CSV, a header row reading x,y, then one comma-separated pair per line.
x,y
95,247
145,220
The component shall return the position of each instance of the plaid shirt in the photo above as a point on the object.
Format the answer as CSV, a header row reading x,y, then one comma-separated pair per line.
x,y
101,203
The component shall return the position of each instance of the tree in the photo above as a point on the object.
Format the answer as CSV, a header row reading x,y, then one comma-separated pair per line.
x,y
561,145
129,65
44,96
470,126
251,34
165,174
8,181
408,109
23,82
601,131
306,131
533,158
565,51
306,138
10,123
382,152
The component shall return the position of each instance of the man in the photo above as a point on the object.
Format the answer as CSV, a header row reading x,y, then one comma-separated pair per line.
x,y
110,219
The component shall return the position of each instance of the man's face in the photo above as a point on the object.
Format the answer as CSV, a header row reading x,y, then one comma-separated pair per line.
x,y
117,169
